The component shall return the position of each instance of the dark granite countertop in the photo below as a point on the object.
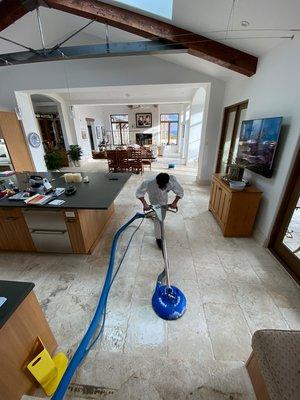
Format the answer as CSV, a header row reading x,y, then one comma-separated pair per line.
x,y
98,194
15,292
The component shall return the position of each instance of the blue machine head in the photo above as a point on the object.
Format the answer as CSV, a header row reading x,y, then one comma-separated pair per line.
x,y
168,302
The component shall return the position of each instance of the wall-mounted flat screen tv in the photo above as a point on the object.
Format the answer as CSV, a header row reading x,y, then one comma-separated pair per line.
x,y
258,143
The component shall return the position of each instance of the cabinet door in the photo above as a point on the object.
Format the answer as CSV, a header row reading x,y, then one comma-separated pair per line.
x,y
218,199
3,239
224,207
213,190
215,197
16,234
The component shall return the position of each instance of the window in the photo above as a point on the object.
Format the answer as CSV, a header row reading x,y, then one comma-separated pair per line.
x,y
163,8
119,128
169,127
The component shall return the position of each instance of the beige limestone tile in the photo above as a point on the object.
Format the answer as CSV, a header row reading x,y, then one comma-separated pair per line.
x,y
274,275
259,256
292,317
181,345
229,332
283,296
218,291
113,339
149,250
232,257
241,272
143,288
150,269
146,332
204,254
181,263
258,307
209,272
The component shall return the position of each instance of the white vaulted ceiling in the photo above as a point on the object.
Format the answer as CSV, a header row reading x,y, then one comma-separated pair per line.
x,y
207,17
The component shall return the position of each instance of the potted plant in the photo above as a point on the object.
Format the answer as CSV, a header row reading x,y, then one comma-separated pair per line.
x,y
53,159
75,154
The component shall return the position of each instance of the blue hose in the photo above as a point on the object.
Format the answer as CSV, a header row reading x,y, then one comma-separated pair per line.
x,y
82,349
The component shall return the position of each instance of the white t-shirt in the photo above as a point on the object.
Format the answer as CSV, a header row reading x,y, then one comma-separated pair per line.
x,y
156,195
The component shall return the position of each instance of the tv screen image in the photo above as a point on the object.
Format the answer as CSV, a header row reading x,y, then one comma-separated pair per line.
x,y
258,143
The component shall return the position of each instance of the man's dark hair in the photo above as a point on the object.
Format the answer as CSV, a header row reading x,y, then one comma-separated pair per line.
x,y
162,180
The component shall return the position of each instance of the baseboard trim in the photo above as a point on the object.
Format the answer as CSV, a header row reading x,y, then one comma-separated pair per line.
x,y
260,237
203,182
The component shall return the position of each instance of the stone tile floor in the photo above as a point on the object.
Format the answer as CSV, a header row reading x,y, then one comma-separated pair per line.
x,y
233,287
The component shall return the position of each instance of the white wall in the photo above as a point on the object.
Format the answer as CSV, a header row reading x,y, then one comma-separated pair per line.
x,y
196,125
80,125
273,91
102,117
30,124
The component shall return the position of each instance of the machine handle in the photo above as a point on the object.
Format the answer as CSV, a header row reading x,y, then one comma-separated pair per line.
x,y
173,210
168,208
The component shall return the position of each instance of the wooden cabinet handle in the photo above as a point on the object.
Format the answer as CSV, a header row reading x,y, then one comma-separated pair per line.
x,y
11,218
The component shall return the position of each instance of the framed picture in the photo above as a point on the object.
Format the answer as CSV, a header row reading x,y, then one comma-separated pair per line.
x,y
84,134
143,120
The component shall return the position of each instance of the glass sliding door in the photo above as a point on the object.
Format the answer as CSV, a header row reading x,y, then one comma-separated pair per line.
x,y
232,121
285,237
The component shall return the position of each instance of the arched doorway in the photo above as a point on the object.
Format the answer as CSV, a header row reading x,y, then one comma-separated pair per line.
x,y
49,120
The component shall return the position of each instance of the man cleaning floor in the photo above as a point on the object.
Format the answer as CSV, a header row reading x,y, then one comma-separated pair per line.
x,y
157,189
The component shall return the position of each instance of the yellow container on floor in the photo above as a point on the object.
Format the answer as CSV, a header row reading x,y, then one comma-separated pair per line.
x,y
43,368
47,371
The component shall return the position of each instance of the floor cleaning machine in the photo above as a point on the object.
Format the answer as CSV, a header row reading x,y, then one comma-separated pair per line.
x,y
168,301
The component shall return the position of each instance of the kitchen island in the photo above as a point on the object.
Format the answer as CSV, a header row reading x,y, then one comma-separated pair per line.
x,y
73,227
21,322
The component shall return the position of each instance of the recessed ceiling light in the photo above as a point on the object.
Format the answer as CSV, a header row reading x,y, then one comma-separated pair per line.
x,y
245,23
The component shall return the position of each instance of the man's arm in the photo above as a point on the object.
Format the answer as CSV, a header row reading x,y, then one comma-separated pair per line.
x,y
146,206
178,190
140,194
174,203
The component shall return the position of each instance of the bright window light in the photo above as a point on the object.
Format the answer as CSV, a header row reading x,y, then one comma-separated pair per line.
x,y
163,8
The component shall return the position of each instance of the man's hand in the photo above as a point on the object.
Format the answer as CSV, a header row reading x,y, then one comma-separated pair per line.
x,y
174,205
147,207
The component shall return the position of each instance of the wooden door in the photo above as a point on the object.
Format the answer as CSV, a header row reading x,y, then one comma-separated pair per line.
x,y
285,236
232,121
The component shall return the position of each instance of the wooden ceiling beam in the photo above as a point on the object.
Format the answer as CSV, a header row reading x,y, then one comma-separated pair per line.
x,y
12,10
151,28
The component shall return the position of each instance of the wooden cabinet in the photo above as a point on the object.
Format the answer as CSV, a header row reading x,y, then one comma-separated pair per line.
x,y
14,232
234,211
12,133
85,228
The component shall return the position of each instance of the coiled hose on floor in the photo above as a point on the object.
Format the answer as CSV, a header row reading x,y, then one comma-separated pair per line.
x,y
84,345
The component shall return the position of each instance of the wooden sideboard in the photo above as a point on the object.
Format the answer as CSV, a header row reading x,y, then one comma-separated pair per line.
x,y
235,211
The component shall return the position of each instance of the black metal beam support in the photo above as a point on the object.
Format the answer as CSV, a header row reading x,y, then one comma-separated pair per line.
x,y
91,51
